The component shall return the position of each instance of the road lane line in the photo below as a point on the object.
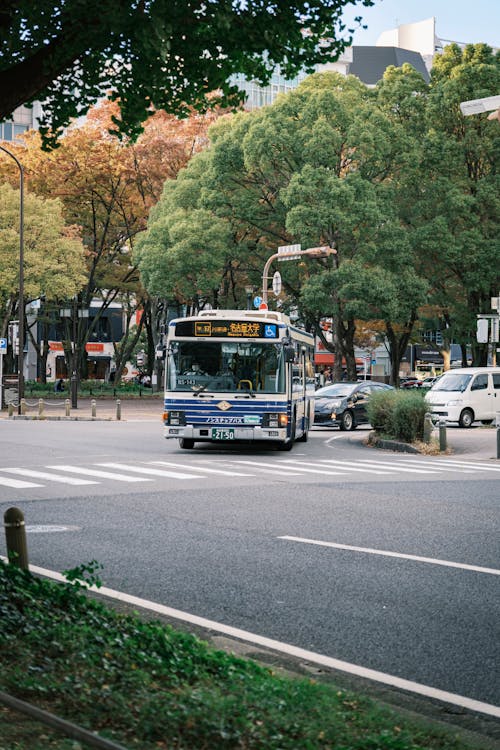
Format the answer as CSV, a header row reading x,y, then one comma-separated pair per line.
x,y
151,472
51,477
353,466
386,553
98,473
313,657
202,468
17,483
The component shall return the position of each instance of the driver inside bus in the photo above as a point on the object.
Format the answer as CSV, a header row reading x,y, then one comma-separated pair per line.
x,y
195,370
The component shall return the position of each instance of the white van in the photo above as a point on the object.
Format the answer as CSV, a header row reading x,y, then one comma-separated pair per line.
x,y
466,395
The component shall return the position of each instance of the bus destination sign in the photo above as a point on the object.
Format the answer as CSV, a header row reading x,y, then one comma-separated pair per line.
x,y
231,329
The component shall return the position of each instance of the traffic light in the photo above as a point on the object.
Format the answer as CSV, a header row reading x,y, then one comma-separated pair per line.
x,y
482,330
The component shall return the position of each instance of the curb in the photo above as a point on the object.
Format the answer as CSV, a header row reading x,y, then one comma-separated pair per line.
x,y
392,445
62,419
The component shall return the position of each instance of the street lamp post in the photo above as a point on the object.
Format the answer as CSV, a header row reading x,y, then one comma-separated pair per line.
x,y
20,359
315,252
249,292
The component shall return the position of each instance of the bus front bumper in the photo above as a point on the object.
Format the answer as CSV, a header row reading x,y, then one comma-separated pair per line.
x,y
230,434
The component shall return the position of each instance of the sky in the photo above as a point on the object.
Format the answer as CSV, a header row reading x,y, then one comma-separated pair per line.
x,y
457,20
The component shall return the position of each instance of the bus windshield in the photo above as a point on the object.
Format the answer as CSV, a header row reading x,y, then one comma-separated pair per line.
x,y
222,367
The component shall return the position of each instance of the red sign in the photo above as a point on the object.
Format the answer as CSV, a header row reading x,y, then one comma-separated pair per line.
x,y
56,346
94,347
263,306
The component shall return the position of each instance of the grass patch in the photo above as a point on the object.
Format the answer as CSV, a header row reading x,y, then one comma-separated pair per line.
x,y
149,686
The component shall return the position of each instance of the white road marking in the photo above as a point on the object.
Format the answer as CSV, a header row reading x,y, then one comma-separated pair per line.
x,y
353,466
314,470
150,472
266,468
454,464
50,529
17,483
97,473
366,462
51,477
285,648
202,469
434,466
386,553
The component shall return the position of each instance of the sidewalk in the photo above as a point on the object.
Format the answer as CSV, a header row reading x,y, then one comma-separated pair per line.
x,y
145,408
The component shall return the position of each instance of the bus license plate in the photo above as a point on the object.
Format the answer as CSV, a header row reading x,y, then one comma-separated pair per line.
x,y
222,433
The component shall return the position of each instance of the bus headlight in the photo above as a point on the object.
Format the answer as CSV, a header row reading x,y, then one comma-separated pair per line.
x,y
174,417
276,420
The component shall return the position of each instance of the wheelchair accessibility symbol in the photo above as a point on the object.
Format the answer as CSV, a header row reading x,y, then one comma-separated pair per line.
x,y
270,332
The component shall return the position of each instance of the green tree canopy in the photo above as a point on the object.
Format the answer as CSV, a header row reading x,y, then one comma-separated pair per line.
x,y
53,252
169,54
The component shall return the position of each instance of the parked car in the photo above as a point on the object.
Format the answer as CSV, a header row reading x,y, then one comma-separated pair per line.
x,y
429,382
344,404
410,383
465,395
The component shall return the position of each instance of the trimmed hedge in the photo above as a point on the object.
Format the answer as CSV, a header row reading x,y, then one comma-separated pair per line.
x,y
398,415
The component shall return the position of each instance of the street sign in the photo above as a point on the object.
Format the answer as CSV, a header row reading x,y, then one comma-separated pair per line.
x,y
257,301
3,346
289,252
482,331
263,306
277,283
476,106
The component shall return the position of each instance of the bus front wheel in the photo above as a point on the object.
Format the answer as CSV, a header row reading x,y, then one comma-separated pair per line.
x,y
186,442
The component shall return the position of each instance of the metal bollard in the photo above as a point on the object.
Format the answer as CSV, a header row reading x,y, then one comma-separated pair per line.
x,y
11,409
23,406
41,408
428,427
67,406
118,409
93,407
15,535
497,421
442,435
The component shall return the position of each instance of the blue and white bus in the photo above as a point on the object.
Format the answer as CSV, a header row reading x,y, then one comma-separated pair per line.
x,y
236,376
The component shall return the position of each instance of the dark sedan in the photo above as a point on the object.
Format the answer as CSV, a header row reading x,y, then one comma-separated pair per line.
x,y
344,404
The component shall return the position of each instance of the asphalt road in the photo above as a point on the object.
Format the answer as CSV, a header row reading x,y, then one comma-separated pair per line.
x,y
315,548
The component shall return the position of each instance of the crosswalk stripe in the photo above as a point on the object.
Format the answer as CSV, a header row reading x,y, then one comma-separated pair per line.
x,y
353,466
204,469
310,470
98,473
150,472
266,469
17,483
434,466
407,469
51,477
469,464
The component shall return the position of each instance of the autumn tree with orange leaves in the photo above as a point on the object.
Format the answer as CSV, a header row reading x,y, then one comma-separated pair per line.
x,y
107,187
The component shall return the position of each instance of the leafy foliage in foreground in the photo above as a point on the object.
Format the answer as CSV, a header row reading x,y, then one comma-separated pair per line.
x,y
150,686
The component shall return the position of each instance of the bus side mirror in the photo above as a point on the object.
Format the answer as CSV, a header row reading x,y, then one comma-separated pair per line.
x,y
289,353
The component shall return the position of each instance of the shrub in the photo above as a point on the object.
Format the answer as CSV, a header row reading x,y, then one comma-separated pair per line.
x,y
380,409
408,417
398,414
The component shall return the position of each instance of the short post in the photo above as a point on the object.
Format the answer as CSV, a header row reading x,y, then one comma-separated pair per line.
x,y
11,409
428,426
118,409
23,406
67,406
15,535
498,433
41,408
93,407
442,435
